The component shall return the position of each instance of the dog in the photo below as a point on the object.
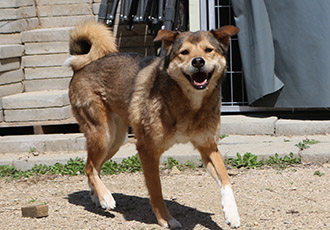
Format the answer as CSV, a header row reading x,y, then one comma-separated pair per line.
x,y
166,100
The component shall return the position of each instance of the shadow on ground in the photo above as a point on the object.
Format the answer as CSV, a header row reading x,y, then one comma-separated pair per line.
x,y
139,209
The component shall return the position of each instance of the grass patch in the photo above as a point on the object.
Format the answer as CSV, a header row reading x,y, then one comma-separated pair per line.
x,y
249,160
133,164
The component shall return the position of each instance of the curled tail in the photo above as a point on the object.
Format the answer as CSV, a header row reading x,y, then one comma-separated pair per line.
x,y
89,42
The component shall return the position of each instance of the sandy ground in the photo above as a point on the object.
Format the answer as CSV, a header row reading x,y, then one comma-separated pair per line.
x,y
267,199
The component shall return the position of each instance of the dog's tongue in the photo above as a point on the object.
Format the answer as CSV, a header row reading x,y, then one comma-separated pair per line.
x,y
199,79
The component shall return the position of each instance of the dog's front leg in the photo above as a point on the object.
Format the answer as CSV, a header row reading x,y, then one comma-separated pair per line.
x,y
150,165
214,163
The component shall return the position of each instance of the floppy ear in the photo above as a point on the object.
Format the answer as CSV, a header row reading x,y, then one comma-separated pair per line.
x,y
166,36
224,33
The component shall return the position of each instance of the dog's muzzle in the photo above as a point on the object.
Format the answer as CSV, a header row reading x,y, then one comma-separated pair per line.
x,y
199,79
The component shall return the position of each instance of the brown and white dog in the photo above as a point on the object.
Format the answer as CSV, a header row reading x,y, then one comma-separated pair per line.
x,y
174,99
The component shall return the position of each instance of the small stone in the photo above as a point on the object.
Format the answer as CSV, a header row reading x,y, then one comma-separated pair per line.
x,y
35,211
175,170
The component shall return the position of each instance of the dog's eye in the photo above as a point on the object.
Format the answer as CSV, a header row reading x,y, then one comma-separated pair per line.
x,y
208,50
184,52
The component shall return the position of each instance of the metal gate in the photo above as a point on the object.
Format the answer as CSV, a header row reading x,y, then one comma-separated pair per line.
x,y
214,14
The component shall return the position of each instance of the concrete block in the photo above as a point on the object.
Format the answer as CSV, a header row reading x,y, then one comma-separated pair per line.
x,y
17,13
243,125
65,10
15,3
20,25
10,51
1,110
10,64
11,89
11,76
96,8
48,72
64,21
46,35
46,84
44,114
36,211
302,127
43,143
40,99
46,48
6,39
52,2
44,60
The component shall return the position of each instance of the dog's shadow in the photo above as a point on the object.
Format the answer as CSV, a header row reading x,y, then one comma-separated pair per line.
x,y
139,209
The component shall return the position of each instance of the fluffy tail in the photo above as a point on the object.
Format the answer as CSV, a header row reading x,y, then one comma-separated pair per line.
x,y
89,42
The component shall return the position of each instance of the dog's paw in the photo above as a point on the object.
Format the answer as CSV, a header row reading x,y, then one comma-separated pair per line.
x,y
174,224
107,201
229,207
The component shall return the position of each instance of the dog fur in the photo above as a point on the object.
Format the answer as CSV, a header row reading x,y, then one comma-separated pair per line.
x,y
166,100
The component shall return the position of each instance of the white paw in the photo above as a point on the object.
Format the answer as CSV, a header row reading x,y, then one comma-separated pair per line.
x,y
107,201
229,207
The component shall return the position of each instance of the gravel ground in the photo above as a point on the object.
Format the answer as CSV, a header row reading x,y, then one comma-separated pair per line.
x,y
294,198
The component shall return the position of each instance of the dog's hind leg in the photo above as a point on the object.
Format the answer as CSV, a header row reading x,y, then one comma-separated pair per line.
x,y
102,140
214,163
150,165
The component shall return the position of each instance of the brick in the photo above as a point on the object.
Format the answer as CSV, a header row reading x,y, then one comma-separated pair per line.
x,y
64,21
46,48
6,39
18,25
46,35
35,211
52,2
15,3
44,60
10,64
45,114
48,72
11,89
40,99
46,84
11,76
10,51
65,10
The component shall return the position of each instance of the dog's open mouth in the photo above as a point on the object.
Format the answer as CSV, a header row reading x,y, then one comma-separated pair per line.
x,y
199,80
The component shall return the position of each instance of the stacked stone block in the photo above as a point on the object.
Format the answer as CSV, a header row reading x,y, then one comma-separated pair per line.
x,y
45,52
11,73
17,16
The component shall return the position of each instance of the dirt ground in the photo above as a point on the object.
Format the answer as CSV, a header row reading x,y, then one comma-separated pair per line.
x,y
294,198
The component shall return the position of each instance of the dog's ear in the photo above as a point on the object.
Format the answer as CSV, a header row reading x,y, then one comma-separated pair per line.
x,y
166,36
224,33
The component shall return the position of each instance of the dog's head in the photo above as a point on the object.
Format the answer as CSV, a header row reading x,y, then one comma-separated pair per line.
x,y
196,59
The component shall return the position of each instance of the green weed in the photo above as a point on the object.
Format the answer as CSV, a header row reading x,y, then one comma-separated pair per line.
x,y
305,144
318,173
250,160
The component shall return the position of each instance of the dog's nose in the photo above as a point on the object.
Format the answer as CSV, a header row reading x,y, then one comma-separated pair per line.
x,y
198,62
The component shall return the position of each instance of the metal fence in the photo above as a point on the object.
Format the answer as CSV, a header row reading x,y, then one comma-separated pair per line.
x,y
214,14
